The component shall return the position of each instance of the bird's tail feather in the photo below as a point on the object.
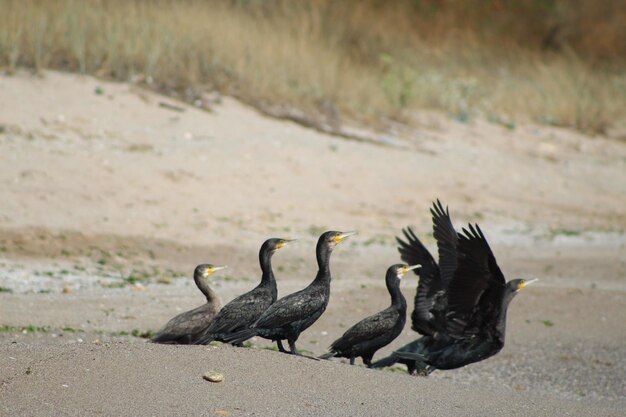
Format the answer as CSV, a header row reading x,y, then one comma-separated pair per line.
x,y
327,355
240,336
384,362
204,339
412,356
162,338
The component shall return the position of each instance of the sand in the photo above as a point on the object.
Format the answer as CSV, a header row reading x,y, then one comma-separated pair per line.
x,y
110,199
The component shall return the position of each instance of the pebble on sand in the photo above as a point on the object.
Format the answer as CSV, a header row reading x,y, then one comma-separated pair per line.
x,y
213,377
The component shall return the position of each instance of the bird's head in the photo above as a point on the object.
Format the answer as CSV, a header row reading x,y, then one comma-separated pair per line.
x,y
515,285
274,244
206,270
332,238
397,271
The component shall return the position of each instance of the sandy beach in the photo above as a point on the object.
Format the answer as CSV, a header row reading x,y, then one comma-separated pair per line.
x,y
112,194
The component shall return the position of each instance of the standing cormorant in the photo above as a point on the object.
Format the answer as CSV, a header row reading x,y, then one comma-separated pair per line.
x,y
182,328
469,318
291,315
376,331
244,310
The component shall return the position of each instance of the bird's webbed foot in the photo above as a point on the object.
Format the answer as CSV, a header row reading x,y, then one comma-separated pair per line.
x,y
425,371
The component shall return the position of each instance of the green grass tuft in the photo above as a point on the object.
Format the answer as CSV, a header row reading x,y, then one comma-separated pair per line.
x,y
72,330
31,328
144,334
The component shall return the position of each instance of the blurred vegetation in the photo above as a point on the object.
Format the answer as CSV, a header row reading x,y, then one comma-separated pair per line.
x,y
553,62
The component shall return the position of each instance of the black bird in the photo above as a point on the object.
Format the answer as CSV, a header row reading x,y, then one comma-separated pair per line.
x,y
464,320
376,331
182,328
430,303
244,310
291,315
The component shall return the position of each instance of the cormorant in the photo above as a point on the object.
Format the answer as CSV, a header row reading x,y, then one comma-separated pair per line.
x,y
430,303
244,310
461,305
376,331
182,328
291,315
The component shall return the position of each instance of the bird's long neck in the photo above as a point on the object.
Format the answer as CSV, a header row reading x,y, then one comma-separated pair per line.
x,y
397,299
501,323
203,286
323,262
265,259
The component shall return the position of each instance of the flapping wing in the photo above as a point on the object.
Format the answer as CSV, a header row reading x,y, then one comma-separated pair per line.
x,y
430,298
477,273
447,240
413,252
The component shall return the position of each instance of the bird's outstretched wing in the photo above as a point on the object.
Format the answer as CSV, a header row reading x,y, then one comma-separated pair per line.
x,y
447,241
430,299
477,274
413,252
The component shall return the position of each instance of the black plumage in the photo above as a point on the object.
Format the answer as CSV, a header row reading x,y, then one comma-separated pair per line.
x,y
378,330
182,328
291,315
243,311
431,298
462,315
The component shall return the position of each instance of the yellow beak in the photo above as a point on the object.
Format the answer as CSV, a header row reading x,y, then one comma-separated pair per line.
x,y
525,283
410,268
342,236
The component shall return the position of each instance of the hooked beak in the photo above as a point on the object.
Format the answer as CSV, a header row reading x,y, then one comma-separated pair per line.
x,y
527,283
284,243
410,268
217,268
341,237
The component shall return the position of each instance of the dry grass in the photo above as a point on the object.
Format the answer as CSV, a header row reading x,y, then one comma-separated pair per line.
x,y
366,60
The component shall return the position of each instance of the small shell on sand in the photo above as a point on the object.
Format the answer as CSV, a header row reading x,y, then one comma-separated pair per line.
x,y
213,376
